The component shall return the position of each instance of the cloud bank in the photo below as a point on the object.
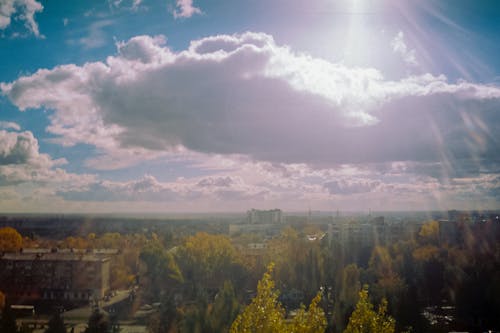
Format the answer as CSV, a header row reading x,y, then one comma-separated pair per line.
x,y
267,121
244,94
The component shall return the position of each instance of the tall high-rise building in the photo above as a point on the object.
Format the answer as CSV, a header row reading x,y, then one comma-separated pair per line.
x,y
272,216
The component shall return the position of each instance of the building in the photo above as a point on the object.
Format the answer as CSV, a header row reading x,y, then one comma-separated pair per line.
x,y
262,229
273,216
27,277
368,233
449,231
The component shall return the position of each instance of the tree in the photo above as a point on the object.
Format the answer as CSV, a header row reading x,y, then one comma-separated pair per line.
x,y
347,289
299,263
2,300
98,322
385,281
8,320
161,270
210,259
380,263
204,317
195,316
10,239
365,319
75,243
56,324
311,321
224,310
265,314
429,233
166,317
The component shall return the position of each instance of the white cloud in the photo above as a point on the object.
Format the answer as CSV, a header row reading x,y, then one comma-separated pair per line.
x,y
21,162
23,10
149,189
293,186
399,46
144,50
9,125
186,9
132,4
245,95
7,9
136,4
19,148
30,179
96,36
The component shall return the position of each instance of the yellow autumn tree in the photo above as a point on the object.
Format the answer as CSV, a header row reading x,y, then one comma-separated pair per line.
x,y
365,319
312,320
209,260
10,239
265,314
429,233
2,300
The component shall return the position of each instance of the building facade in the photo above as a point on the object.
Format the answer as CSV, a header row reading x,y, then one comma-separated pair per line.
x,y
273,216
71,277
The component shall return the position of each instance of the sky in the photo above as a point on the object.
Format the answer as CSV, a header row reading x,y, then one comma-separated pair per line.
x,y
124,106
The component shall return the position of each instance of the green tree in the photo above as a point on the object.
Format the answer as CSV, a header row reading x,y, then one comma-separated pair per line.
x,y
195,318
365,319
161,270
224,310
166,317
347,289
56,324
205,317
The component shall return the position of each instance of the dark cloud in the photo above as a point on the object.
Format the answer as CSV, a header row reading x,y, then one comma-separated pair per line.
x,y
245,95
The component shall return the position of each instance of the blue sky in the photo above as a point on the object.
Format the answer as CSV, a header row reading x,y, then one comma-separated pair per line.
x,y
114,106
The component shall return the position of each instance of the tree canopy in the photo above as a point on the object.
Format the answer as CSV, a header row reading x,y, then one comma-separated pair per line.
x,y
56,324
8,320
365,319
265,314
98,322
10,239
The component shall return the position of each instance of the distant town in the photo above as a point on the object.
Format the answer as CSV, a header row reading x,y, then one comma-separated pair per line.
x,y
438,271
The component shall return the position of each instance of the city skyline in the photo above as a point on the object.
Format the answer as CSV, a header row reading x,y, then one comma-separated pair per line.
x,y
200,106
